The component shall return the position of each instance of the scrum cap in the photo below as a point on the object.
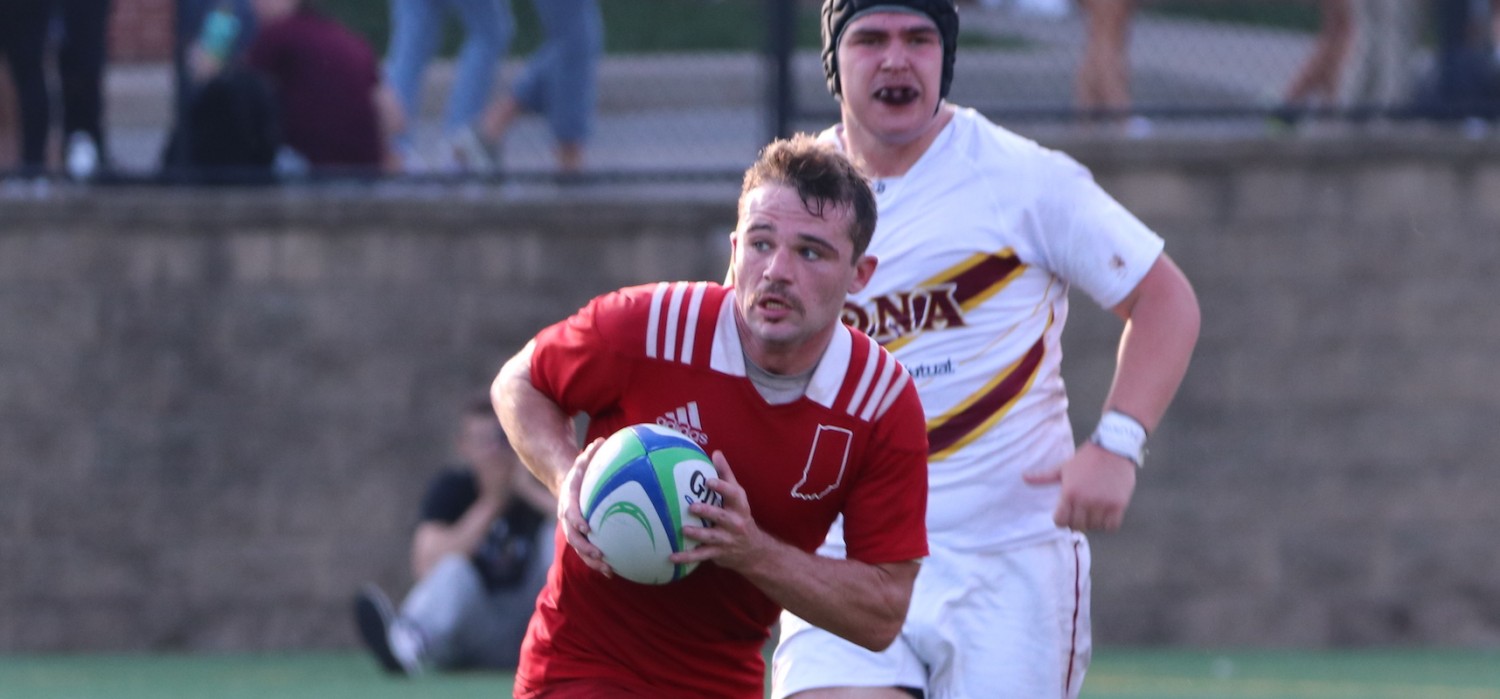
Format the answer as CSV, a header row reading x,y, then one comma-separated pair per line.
x,y
837,14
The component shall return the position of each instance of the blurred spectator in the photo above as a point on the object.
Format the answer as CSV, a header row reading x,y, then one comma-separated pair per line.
x,y
1466,79
304,95
225,30
25,30
559,81
81,56
23,39
1380,74
479,555
1316,84
232,132
335,111
416,29
9,120
1102,85
229,130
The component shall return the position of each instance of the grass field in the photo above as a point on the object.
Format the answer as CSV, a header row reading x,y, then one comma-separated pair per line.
x,y
1116,674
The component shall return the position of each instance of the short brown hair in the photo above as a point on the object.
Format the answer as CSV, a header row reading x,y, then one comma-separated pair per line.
x,y
822,176
478,405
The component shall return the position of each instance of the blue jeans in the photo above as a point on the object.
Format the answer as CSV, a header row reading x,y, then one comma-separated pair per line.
x,y
466,627
416,29
559,80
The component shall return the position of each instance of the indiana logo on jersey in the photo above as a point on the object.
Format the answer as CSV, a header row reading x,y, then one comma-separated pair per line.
x,y
685,419
825,463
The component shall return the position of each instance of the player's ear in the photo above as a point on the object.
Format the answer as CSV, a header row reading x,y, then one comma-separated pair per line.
x,y
864,269
734,246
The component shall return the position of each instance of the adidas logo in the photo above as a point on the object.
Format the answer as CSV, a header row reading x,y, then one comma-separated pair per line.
x,y
685,420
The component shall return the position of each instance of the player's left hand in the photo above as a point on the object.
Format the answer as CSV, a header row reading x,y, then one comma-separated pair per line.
x,y
1096,489
570,512
732,540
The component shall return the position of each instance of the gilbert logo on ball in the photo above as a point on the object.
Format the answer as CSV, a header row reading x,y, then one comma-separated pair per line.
x,y
636,495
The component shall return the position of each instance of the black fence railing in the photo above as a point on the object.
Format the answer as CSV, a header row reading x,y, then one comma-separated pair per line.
x,y
1240,67
1286,61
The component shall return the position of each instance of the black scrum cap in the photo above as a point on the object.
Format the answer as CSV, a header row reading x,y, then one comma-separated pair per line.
x,y
837,14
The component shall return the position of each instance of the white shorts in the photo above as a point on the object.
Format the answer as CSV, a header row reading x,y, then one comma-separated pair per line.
x,y
981,624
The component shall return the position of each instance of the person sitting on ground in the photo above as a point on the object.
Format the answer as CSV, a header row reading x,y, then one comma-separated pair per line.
x,y
480,556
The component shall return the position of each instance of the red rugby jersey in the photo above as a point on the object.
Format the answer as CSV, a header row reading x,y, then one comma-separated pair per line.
x,y
669,354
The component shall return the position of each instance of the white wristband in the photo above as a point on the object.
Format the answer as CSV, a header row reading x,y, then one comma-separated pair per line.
x,y
1121,434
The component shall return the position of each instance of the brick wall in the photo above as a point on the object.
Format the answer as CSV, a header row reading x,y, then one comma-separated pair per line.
x,y
217,408
10,119
142,30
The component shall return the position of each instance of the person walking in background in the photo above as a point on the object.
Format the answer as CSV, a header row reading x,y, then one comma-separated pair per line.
x,y
81,58
479,556
1102,84
1465,82
559,81
23,41
416,30
982,233
805,419
25,30
1317,82
1380,72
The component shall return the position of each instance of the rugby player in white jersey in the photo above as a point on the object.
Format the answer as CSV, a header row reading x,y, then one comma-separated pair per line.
x,y
981,233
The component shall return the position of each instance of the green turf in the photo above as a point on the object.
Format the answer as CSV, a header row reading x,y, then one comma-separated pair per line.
x,y
1116,674
300,676
1414,674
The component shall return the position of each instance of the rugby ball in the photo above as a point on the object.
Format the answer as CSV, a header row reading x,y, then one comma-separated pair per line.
x,y
635,497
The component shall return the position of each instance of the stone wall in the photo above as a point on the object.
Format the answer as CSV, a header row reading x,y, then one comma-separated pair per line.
x,y
218,407
1327,476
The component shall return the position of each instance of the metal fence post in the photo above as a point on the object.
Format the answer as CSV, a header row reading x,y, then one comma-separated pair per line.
x,y
781,39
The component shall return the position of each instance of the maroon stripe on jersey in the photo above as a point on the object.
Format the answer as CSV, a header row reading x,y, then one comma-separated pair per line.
x,y
946,434
1068,689
982,277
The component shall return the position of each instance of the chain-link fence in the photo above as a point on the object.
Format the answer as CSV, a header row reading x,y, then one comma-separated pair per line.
x,y
690,89
1190,63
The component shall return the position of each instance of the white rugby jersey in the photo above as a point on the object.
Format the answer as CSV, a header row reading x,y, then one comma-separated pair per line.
x,y
978,243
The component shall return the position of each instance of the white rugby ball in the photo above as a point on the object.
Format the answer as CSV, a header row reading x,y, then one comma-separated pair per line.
x,y
635,497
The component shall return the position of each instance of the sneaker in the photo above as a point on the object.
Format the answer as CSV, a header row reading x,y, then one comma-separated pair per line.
x,y
471,153
82,156
375,617
410,161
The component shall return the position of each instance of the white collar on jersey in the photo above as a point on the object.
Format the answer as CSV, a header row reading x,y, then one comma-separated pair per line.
x,y
728,356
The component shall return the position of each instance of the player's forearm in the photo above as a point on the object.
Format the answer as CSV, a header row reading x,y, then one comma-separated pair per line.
x,y
863,603
539,431
1156,346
